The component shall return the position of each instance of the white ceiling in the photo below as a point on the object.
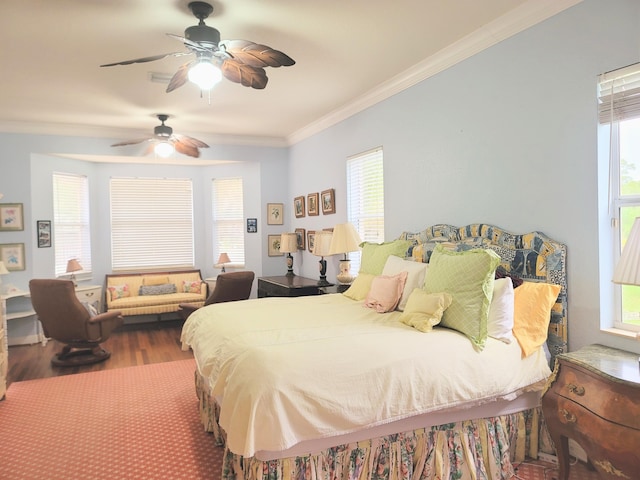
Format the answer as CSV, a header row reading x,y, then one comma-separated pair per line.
x,y
349,55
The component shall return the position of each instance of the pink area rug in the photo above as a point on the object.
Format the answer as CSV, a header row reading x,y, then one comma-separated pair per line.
x,y
129,423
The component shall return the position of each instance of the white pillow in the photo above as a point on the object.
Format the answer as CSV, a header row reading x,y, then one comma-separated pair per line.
x,y
416,272
500,321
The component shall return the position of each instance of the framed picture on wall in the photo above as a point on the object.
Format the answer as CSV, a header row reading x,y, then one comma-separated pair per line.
x,y
301,237
44,233
328,200
274,245
298,206
311,239
12,254
312,204
11,217
275,214
252,225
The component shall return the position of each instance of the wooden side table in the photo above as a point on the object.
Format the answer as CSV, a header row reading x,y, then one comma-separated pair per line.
x,y
594,399
288,286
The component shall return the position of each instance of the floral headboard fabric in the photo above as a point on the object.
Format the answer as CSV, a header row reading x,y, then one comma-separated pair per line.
x,y
530,256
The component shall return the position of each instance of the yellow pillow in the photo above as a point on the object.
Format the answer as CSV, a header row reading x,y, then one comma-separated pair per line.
x,y
155,280
531,314
360,287
424,310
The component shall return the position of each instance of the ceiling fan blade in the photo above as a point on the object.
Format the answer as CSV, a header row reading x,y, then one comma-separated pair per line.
x,y
147,59
193,142
247,75
186,149
255,54
179,78
131,142
189,43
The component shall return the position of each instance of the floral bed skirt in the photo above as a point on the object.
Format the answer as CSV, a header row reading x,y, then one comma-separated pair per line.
x,y
476,449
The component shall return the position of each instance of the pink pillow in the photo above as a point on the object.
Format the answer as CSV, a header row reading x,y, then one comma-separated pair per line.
x,y
385,292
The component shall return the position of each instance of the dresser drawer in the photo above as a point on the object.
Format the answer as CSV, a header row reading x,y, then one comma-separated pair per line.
x,y
609,400
611,447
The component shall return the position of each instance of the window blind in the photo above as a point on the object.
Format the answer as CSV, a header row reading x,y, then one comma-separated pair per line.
x,y
365,198
228,219
619,94
71,223
151,223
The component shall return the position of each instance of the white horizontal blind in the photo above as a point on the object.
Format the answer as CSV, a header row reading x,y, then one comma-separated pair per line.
x,y
619,92
228,219
365,198
151,223
71,222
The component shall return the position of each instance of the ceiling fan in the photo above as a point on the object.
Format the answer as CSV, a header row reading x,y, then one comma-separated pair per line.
x,y
164,142
240,61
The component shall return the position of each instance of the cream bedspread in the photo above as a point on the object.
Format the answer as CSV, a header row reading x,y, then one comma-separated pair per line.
x,y
285,370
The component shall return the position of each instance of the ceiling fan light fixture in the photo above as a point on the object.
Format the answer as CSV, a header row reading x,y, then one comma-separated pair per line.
x,y
205,74
164,149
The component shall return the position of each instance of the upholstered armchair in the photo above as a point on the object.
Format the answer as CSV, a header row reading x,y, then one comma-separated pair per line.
x,y
230,287
65,319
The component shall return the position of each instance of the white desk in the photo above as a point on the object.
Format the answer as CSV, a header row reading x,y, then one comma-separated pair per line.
x,y
13,305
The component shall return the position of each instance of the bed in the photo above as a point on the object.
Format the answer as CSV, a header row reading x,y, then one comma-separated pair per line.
x,y
324,387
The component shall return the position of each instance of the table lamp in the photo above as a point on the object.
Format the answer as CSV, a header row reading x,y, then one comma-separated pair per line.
x,y
73,266
3,271
289,245
222,259
321,248
345,239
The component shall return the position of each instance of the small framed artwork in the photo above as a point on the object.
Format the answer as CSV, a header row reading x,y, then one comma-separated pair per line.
x,y
301,237
328,199
11,217
274,245
312,204
275,214
298,206
12,254
252,225
44,233
311,239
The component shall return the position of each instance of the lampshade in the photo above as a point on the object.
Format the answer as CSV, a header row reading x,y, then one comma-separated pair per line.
x,y
345,239
3,269
164,149
205,74
222,259
322,243
73,266
288,243
627,271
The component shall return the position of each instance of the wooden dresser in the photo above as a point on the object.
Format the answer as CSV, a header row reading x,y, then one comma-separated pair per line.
x,y
594,399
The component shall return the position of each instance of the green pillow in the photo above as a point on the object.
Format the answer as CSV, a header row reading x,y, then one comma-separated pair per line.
x,y
468,276
374,255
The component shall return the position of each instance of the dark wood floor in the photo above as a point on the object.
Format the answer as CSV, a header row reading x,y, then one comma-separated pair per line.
x,y
130,345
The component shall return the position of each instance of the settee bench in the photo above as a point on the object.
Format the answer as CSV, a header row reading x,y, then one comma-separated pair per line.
x,y
153,293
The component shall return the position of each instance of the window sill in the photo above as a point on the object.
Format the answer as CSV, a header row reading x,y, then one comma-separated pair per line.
x,y
622,333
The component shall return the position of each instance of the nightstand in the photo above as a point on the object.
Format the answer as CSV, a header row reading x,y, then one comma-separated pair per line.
x,y
593,398
337,288
91,294
288,286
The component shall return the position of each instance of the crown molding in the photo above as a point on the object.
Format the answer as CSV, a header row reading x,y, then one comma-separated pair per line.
x,y
516,21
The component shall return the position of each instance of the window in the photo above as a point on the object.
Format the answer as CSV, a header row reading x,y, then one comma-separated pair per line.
x,y
151,223
619,114
228,219
71,226
365,198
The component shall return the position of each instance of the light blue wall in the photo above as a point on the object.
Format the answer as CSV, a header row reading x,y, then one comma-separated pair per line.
x,y
507,137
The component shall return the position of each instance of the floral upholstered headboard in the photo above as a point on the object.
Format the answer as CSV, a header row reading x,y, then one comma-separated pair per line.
x,y
530,256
